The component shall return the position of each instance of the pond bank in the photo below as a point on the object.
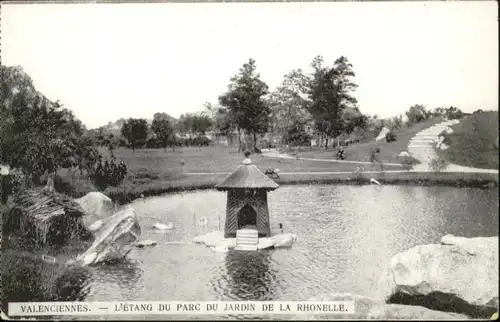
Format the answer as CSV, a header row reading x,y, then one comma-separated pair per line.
x,y
208,181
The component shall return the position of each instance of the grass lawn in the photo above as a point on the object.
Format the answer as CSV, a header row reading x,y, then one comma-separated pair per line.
x,y
166,164
361,151
156,170
473,142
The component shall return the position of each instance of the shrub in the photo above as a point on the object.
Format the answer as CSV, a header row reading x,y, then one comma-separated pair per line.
x,y
108,174
198,141
453,113
390,136
153,143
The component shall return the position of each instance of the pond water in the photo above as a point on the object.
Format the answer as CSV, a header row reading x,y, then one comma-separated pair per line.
x,y
346,236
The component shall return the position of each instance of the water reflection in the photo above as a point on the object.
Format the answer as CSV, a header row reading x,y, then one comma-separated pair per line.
x,y
73,284
346,236
117,279
249,276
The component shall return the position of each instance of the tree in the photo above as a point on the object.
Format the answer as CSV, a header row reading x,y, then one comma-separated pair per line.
x,y
245,100
185,124
224,123
163,130
297,134
330,94
453,112
352,118
289,105
324,100
136,132
200,124
39,136
417,113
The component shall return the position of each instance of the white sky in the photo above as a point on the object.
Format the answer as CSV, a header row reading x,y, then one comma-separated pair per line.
x,y
107,61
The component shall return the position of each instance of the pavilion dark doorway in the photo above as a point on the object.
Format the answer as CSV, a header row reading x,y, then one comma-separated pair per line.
x,y
247,217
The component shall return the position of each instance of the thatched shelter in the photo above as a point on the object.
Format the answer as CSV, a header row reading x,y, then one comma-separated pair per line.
x,y
246,207
44,216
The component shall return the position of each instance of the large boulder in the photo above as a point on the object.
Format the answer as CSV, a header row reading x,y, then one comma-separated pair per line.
x,y
114,240
460,275
97,208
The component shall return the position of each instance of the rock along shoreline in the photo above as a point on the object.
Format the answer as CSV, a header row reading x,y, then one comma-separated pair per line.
x,y
454,280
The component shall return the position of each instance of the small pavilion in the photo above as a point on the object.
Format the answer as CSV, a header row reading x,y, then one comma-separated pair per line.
x,y
246,206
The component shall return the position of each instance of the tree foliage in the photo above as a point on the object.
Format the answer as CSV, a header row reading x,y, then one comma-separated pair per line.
x,y
245,101
200,124
330,91
289,105
40,137
163,130
417,113
135,131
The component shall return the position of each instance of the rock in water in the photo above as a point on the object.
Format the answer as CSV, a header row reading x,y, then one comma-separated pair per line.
x,y
114,240
144,243
283,240
463,273
159,226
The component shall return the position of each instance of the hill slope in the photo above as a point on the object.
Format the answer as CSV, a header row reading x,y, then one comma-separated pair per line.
x,y
474,142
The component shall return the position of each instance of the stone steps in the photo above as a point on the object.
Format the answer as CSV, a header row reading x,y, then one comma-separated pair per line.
x,y
421,146
247,239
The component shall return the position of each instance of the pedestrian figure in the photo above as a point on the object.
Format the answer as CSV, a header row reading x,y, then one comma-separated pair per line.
x,y
281,227
341,153
375,158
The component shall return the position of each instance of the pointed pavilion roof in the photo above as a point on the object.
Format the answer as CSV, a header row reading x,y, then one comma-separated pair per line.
x,y
247,176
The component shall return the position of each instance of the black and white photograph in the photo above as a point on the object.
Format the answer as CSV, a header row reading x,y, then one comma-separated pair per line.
x,y
249,160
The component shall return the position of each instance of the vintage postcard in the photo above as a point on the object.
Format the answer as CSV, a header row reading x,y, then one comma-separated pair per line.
x,y
328,160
